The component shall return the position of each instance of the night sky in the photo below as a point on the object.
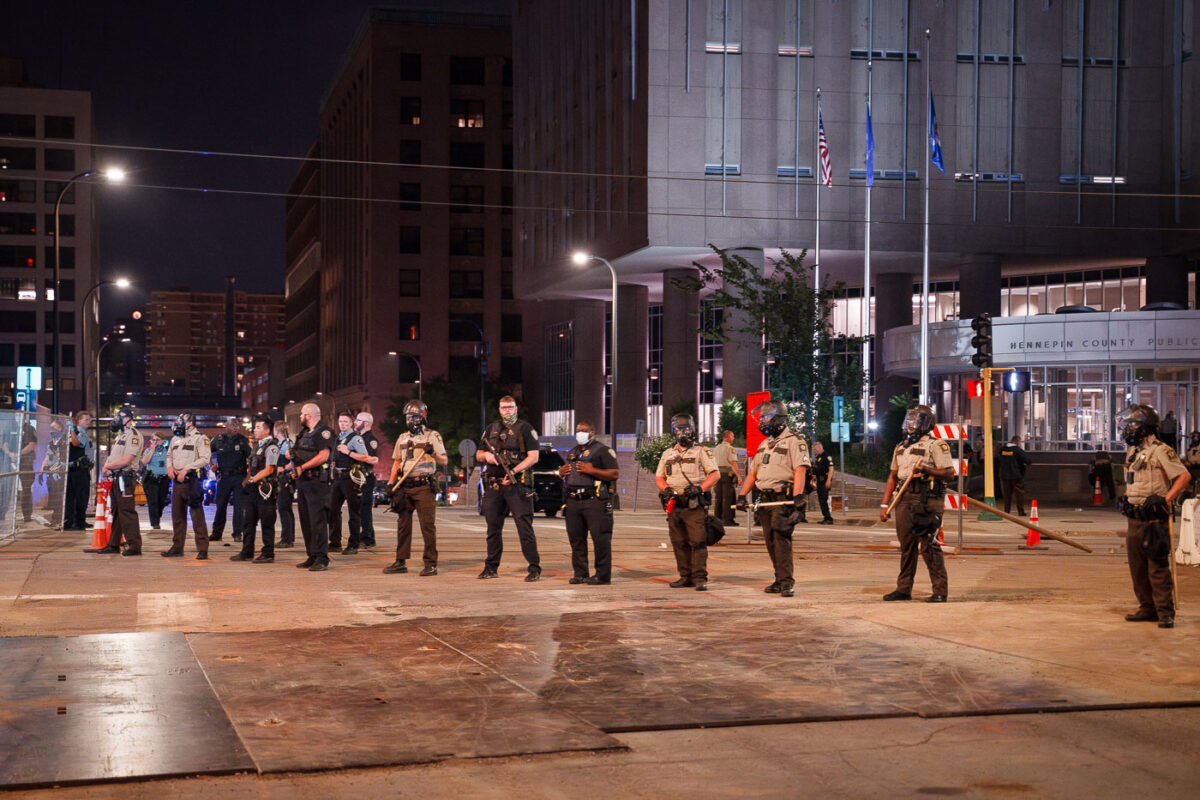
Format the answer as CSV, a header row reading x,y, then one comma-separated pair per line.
x,y
241,77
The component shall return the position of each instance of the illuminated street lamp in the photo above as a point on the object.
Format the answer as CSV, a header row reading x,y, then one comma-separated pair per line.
x,y
113,175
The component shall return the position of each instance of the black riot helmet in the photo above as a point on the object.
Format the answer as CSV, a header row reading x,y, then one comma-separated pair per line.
x,y
772,417
415,414
683,428
121,419
1138,422
917,422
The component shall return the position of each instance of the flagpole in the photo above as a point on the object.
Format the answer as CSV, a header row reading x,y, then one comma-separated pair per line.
x,y
925,237
866,306
818,182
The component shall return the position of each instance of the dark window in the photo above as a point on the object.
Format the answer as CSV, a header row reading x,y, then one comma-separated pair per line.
x,y
409,368
18,125
410,239
18,224
466,241
7,355
66,321
467,70
510,328
18,158
410,111
59,160
48,351
466,113
66,254
506,157
506,77
508,115
466,154
53,188
466,283
410,151
18,191
27,355
506,285
68,355
506,200
68,224
410,282
66,287
19,322
18,255
506,242
410,326
410,196
462,329
410,66
59,127
466,199
510,369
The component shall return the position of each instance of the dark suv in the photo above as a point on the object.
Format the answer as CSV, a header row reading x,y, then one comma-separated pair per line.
x,y
546,482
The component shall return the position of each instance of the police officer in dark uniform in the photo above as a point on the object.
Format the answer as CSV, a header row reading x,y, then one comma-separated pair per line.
x,y
121,466
590,476
350,462
1014,461
1101,466
230,450
286,486
366,524
823,474
508,445
311,463
919,510
260,490
79,472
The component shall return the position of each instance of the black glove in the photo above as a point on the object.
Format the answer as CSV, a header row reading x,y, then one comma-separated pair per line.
x,y
692,491
1156,507
741,503
429,448
666,494
800,502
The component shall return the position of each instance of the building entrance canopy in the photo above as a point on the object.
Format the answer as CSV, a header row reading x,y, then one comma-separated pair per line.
x,y
1150,337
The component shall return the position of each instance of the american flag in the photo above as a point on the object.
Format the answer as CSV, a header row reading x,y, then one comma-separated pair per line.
x,y
823,149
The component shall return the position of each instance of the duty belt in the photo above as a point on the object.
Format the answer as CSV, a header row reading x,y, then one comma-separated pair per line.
x,y
782,493
581,492
413,483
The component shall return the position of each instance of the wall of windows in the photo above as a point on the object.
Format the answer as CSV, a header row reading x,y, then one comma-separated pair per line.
x,y
1112,289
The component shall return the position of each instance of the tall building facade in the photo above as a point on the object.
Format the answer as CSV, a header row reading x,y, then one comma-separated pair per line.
x,y
46,136
202,343
653,129
412,260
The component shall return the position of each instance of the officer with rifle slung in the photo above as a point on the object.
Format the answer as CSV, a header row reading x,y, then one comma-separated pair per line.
x,y
508,447
415,459
1154,479
779,472
924,464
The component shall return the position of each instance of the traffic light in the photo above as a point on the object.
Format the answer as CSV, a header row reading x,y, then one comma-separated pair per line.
x,y
974,389
982,341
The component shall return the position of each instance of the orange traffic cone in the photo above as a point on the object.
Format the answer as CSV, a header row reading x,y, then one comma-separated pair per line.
x,y
1096,499
99,527
1033,539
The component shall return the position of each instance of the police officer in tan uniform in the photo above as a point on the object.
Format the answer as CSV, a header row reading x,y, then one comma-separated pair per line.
x,y
415,457
121,467
187,461
919,510
1193,460
686,473
779,471
1154,479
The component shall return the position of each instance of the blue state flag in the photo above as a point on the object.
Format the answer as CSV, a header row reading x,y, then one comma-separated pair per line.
x,y
870,150
935,144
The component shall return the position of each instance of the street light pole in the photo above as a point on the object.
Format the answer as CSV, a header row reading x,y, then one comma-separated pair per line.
x,y
120,283
116,176
581,259
100,350
420,373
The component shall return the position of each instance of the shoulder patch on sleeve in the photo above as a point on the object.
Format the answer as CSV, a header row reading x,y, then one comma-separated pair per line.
x,y
374,445
943,444
326,435
1172,455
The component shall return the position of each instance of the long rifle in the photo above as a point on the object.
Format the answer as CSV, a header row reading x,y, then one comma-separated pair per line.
x,y
508,473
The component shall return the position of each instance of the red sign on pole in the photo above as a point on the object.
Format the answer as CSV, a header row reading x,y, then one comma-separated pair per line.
x,y
753,437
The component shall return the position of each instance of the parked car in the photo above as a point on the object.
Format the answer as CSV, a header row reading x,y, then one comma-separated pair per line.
x,y
547,485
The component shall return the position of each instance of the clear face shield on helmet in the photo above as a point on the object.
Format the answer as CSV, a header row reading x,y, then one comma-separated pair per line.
x,y
1133,427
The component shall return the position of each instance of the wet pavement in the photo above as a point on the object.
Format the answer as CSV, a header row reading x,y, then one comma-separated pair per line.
x,y
350,668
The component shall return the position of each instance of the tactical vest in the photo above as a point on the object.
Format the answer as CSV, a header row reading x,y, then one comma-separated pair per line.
x,y
258,458
230,456
508,441
309,444
343,460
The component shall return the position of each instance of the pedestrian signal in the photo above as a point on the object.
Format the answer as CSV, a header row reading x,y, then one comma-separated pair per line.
x,y
1017,381
974,389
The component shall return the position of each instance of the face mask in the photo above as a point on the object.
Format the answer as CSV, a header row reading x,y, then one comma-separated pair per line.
x,y
178,430
582,438
508,419
115,425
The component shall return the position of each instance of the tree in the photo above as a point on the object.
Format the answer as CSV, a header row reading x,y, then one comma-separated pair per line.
x,y
783,309
453,408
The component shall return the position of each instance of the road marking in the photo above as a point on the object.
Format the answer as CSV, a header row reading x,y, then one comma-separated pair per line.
x,y
172,610
61,596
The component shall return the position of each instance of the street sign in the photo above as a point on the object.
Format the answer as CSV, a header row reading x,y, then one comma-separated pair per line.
x,y
26,400
839,407
29,378
467,448
839,431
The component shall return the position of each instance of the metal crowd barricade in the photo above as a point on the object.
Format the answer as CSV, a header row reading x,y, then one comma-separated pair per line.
x,y
33,471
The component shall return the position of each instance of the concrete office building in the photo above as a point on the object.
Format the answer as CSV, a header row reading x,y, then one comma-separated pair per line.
x,y
1068,137
50,132
394,282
